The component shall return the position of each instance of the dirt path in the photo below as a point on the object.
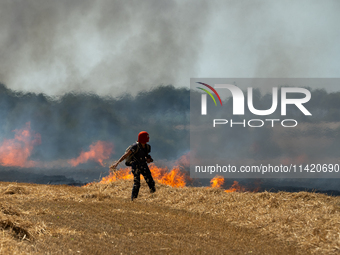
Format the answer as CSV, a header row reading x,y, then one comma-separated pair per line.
x,y
72,220
123,227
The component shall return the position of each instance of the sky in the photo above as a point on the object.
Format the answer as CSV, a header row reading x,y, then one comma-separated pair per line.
x,y
117,47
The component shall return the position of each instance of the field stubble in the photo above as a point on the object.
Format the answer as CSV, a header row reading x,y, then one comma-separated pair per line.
x,y
100,219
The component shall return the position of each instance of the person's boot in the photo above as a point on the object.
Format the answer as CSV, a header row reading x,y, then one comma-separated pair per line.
x,y
132,197
134,194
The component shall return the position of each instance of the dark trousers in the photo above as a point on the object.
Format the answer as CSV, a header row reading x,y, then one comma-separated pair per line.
x,y
137,170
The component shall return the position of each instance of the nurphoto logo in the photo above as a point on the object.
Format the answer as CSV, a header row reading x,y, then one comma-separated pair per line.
x,y
238,104
264,128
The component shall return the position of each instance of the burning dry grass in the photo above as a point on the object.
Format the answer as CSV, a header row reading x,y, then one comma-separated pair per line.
x,y
16,152
174,177
39,219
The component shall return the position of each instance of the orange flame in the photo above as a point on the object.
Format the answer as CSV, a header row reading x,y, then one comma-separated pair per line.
x,y
173,178
235,188
15,152
98,152
121,174
216,182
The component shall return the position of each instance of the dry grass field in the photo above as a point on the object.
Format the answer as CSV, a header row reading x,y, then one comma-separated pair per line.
x,y
100,219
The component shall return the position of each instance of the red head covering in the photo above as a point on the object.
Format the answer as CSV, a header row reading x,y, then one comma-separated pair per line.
x,y
143,137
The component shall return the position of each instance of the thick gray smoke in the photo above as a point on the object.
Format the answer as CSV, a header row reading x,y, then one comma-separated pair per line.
x,y
112,47
266,39
107,47
70,124
83,50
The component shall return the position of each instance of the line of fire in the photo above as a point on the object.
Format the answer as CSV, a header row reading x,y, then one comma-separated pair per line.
x,y
16,152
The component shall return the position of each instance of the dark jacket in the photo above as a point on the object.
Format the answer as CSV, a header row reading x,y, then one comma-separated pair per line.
x,y
140,154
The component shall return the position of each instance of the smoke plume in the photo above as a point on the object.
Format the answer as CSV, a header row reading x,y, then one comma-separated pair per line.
x,y
106,47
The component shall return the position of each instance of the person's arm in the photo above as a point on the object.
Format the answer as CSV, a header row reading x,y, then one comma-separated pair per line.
x,y
113,166
148,157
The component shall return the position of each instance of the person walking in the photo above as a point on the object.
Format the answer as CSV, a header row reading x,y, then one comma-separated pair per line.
x,y
137,156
